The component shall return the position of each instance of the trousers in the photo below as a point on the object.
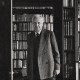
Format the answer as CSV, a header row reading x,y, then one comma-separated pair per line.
x,y
52,78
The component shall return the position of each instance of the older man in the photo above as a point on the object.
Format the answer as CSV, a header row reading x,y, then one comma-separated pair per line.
x,y
43,59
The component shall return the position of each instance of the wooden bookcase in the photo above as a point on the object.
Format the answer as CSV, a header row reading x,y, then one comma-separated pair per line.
x,y
21,26
78,61
69,41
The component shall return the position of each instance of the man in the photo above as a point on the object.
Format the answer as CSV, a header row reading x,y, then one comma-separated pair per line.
x,y
43,59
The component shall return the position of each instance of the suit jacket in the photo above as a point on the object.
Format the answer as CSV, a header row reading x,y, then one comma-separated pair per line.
x,y
48,55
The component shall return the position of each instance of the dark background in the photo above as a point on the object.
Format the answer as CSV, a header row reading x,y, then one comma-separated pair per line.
x,y
5,41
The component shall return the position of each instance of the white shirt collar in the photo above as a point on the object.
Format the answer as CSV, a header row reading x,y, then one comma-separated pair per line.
x,y
38,32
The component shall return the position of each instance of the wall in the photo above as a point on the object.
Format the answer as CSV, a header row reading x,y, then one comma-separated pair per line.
x,y
4,39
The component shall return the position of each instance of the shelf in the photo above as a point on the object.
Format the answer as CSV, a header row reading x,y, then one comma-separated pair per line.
x,y
22,31
29,11
19,59
69,36
71,8
69,19
20,40
19,49
71,51
79,32
21,22
78,19
18,69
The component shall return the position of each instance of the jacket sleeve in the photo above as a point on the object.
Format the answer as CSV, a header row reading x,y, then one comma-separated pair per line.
x,y
55,51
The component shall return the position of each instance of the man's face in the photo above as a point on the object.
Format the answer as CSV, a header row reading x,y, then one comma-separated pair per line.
x,y
37,24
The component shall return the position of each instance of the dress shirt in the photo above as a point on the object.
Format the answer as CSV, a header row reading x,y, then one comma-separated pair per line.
x,y
37,32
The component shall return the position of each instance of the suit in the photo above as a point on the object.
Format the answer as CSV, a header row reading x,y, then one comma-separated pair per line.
x,y
48,55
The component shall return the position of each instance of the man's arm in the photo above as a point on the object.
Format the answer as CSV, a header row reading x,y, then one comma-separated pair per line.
x,y
56,54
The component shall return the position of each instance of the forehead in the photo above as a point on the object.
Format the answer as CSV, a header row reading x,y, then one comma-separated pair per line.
x,y
38,19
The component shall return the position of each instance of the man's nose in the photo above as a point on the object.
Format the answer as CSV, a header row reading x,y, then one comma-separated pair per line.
x,y
37,24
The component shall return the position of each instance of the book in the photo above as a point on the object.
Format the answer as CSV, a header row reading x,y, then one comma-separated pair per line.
x,y
19,63
68,3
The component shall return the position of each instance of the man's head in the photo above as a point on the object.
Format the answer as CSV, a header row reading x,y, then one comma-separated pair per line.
x,y
37,21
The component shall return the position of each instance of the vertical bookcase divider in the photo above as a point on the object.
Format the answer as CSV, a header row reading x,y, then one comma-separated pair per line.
x,y
69,49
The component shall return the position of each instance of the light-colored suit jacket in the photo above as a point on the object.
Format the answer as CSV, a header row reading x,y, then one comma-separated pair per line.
x,y
48,55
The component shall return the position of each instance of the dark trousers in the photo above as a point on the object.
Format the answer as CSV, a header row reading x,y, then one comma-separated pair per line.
x,y
38,78
50,78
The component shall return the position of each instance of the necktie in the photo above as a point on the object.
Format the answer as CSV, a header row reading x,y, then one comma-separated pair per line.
x,y
37,34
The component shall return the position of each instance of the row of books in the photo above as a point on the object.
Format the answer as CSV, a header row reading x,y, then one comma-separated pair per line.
x,y
23,26
68,3
19,63
28,26
78,25
68,58
48,26
20,54
19,45
68,44
68,71
33,7
68,28
28,17
68,14
20,35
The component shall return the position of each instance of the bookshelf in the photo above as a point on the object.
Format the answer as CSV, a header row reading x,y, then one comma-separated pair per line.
x,y
79,25
68,22
21,27
78,61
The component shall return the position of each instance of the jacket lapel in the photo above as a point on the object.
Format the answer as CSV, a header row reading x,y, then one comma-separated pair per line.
x,y
42,42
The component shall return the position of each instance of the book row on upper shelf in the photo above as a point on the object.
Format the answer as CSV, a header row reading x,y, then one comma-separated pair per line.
x,y
17,45
68,44
29,27
68,28
20,54
28,17
68,14
33,7
68,3
19,64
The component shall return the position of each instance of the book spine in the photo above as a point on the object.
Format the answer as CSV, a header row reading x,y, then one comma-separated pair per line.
x,y
13,18
14,63
19,63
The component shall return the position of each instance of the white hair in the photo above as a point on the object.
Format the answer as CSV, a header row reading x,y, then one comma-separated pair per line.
x,y
38,16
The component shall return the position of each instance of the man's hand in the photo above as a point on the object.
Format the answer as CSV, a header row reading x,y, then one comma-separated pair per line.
x,y
56,72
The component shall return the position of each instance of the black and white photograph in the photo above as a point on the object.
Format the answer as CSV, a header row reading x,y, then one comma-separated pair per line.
x,y
39,39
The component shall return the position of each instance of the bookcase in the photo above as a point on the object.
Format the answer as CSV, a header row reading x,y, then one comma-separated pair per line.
x,y
69,28
21,26
78,40
79,26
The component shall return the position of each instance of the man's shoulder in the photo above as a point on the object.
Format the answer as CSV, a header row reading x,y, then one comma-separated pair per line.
x,y
47,31
30,33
